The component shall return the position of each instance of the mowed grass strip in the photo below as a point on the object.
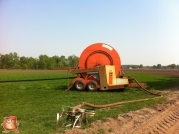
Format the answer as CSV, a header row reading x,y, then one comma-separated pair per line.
x,y
155,81
36,103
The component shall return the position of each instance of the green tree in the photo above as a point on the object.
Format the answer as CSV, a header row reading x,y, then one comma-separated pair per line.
x,y
32,63
63,61
42,62
73,61
16,61
10,61
159,66
23,62
57,60
2,61
154,66
172,66
140,66
50,63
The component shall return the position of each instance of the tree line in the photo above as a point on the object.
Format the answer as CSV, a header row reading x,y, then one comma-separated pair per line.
x,y
158,66
13,61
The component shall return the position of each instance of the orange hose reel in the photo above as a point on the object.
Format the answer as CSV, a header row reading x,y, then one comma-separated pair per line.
x,y
99,54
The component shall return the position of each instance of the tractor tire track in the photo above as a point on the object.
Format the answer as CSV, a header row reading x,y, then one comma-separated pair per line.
x,y
164,122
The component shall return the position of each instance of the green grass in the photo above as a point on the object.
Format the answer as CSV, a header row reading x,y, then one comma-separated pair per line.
x,y
36,103
154,81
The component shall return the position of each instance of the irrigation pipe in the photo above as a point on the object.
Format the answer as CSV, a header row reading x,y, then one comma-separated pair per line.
x,y
145,88
109,105
27,80
119,103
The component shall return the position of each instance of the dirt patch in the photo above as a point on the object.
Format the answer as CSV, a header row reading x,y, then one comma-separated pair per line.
x,y
163,118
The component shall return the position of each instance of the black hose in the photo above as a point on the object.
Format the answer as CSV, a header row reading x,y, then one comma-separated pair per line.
x,y
111,104
27,80
145,88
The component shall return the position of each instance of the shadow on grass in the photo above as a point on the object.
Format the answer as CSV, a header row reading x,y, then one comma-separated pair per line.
x,y
61,87
64,88
162,84
73,89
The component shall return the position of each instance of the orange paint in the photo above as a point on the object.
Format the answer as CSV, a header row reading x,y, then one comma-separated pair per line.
x,y
99,54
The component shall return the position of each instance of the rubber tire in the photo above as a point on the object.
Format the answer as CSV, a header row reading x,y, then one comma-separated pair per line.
x,y
80,85
92,86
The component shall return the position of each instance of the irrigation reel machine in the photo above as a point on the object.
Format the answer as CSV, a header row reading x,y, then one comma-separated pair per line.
x,y
99,68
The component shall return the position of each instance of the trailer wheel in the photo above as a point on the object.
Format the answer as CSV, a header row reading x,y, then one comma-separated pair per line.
x,y
92,86
80,85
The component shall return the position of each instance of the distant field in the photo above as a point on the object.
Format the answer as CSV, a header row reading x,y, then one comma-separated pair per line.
x,y
171,72
36,103
31,71
156,79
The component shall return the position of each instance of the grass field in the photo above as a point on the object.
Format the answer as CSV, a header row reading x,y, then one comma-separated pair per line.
x,y
36,103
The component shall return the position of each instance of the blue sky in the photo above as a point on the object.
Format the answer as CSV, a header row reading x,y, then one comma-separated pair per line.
x,y
142,31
